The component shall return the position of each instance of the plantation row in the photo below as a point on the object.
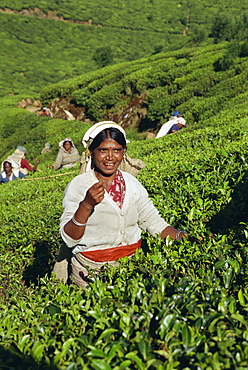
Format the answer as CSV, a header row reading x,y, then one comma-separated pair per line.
x,y
174,305
37,49
167,15
164,62
36,131
39,52
180,80
183,80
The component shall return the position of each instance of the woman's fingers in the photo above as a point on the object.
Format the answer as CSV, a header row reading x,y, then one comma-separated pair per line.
x,y
95,194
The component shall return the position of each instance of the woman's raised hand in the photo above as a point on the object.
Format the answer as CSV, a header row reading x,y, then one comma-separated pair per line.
x,y
94,195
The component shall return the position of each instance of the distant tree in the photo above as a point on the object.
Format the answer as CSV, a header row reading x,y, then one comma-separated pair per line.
x,y
227,61
222,64
222,28
103,56
240,28
233,50
244,50
158,48
198,34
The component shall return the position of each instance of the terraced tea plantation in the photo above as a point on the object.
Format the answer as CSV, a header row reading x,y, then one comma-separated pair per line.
x,y
175,305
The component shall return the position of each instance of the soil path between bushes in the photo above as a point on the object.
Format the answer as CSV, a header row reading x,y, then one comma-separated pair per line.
x,y
52,14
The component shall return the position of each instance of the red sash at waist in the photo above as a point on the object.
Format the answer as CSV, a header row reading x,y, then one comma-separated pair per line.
x,y
112,254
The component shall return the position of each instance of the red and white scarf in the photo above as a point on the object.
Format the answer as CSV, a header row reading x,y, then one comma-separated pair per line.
x,y
117,189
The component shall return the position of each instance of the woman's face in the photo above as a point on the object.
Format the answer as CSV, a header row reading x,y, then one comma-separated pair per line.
x,y
7,168
108,156
67,146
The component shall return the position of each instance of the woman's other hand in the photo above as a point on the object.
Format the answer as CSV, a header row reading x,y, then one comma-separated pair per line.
x,y
173,233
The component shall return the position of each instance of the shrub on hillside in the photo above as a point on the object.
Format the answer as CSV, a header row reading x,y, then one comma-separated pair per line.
x,y
159,103
103,56
18,123
222,27
80,97
103,99
244,50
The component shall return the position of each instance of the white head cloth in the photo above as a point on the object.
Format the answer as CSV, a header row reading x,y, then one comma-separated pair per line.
x,y
50,113
167,126
181,120
99,127
61,143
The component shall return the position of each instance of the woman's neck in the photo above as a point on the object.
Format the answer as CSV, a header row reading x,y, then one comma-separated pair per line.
x,y
106,179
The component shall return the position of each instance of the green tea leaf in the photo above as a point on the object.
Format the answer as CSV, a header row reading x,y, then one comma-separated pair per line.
x,y
241,319
186,335
241,298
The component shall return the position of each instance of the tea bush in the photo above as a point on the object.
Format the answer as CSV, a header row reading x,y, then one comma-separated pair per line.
x,y
173,305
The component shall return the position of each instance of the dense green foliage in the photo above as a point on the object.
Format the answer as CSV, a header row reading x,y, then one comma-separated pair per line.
x,y
174,305
148,14
37,52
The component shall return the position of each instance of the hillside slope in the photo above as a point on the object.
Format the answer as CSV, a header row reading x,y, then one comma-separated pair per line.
x,y
45,42
155,15
140,94
145,92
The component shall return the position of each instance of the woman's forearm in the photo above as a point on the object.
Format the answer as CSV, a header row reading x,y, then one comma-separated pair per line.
x,y
75,228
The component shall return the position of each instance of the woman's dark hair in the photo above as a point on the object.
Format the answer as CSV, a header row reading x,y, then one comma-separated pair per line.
x,y
67,141
8,163
112,133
